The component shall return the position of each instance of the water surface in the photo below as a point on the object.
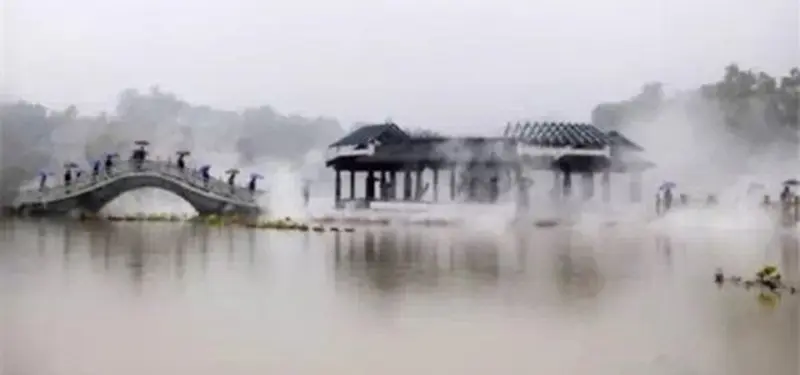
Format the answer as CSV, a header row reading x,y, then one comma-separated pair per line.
x,y
153,298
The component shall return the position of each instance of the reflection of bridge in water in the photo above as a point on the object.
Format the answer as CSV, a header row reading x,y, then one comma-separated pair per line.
x,y
91,193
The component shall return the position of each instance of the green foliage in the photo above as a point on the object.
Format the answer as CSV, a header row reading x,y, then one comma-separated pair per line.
x,y
755,106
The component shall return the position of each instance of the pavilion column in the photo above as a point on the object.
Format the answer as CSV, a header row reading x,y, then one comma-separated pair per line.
x,y
494,186
473,182
436,184
418,184
566,182
452,183
605,185
522,188
369,186
384,188
407,185
352,184
587,180
338,188
555,192
393,185
636,187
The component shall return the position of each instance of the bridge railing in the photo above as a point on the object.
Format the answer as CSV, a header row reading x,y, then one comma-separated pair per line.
x,y
86,182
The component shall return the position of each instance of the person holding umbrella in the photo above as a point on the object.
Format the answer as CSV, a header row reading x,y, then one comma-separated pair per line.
x,y
252,184
43,180
95,170
307,192
181,162
109,164
139,155
666,201
786,194
232,178
205,174
68,173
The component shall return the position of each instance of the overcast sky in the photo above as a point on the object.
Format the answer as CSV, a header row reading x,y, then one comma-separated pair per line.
x,y
435,63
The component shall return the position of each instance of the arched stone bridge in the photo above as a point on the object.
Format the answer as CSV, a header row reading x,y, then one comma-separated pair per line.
x,y
88,194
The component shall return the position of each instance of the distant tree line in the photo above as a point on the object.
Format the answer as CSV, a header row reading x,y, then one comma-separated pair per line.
x,y
33,137
756,107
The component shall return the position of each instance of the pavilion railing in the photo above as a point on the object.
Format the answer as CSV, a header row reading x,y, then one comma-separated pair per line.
x,y
126,168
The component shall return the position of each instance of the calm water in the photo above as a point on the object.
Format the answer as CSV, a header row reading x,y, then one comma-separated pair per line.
x,y
148,298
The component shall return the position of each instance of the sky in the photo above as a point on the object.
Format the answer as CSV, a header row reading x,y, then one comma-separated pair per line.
x,y
440,64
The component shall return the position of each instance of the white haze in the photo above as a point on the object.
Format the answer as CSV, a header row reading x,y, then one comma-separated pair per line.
x,y
456,67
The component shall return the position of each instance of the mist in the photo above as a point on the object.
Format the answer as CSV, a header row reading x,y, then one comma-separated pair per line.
x,y
285,149
266,87
718,139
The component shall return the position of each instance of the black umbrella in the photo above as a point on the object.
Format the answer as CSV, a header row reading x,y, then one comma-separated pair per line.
x,y
232,171
791,182
668,185
141,143
70,165
183,153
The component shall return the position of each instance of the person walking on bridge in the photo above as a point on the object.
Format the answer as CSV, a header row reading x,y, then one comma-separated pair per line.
x,y
109,164
42,181
95,170
67,178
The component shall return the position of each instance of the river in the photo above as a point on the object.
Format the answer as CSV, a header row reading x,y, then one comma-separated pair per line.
x,y
84,298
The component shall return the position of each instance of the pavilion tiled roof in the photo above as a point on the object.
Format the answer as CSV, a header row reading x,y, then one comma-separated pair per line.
x,y
551,134
384,133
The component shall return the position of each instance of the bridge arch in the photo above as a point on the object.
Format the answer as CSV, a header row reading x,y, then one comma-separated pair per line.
x,y
217,198
203,202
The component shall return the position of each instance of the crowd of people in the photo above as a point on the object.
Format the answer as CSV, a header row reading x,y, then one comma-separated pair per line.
x,y
138,157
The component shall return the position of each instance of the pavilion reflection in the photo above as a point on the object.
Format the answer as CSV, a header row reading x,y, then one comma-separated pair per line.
x,y
390,261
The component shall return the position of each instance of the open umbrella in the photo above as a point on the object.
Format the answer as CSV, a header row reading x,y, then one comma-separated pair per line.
x,y
791,182
70,165
204,168
112,155
256,176
183,153
142,143
232,171
668,185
